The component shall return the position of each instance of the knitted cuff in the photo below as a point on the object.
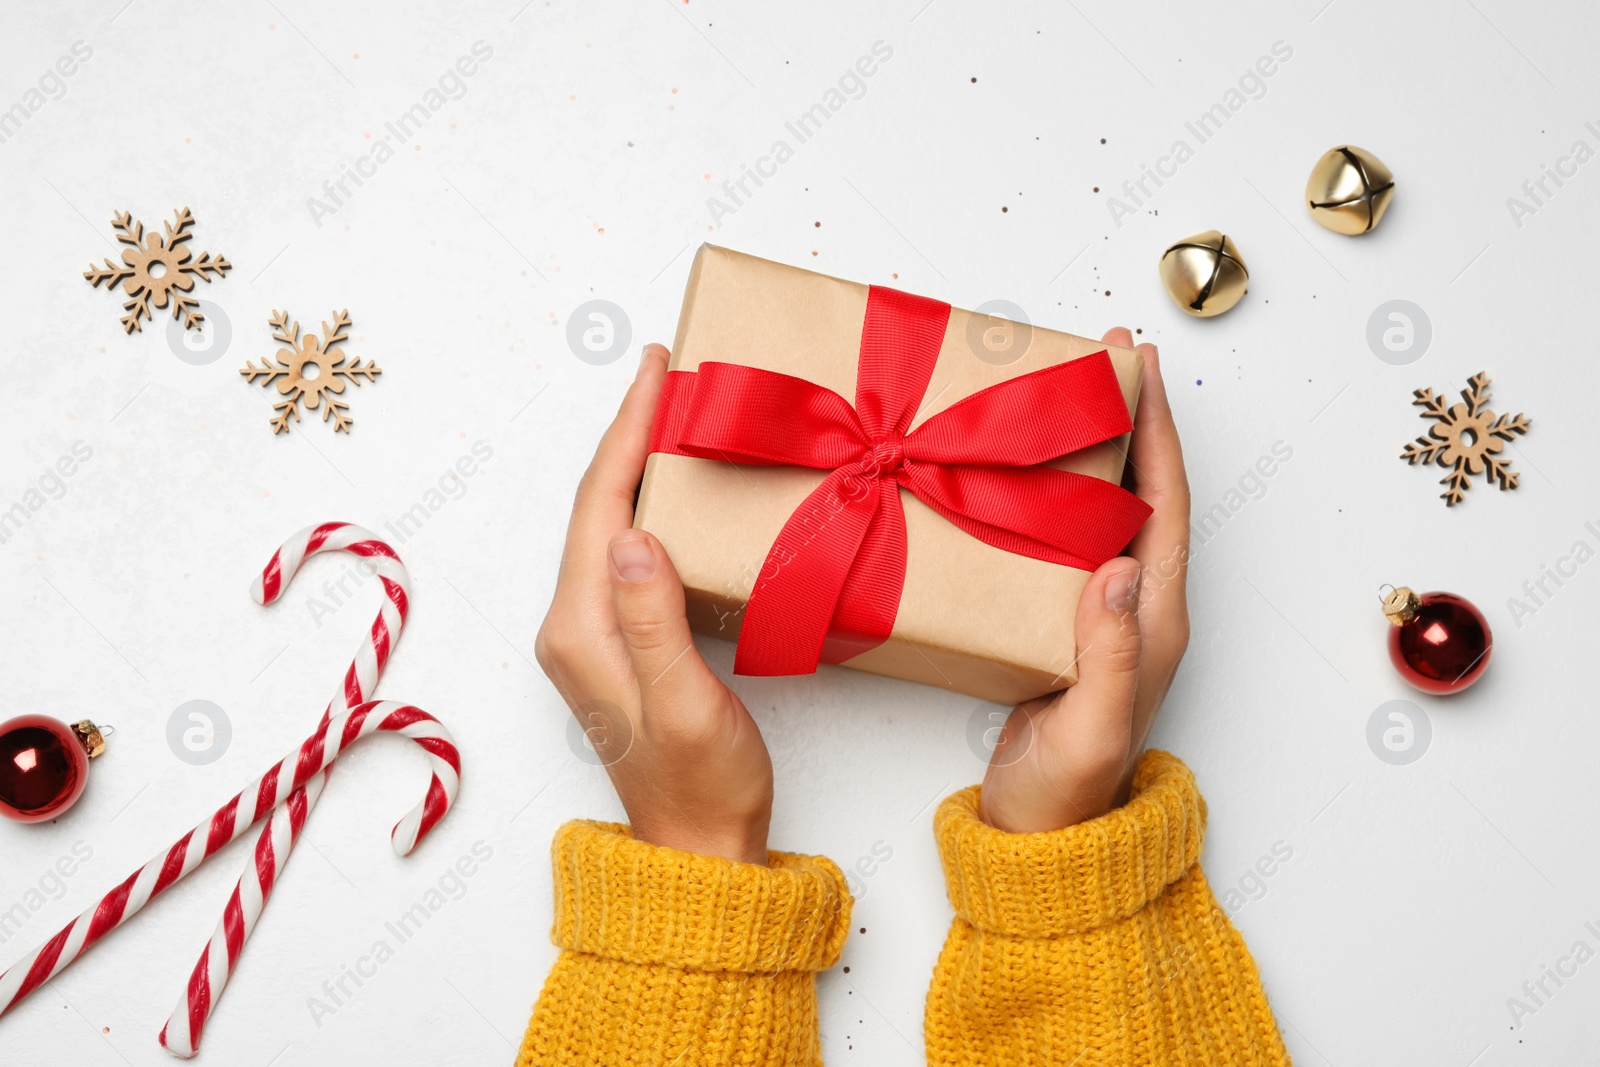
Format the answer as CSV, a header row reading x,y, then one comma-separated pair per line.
x,y
640,903
1085,876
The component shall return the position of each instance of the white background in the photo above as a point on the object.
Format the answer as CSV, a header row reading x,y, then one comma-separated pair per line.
x,y
577,165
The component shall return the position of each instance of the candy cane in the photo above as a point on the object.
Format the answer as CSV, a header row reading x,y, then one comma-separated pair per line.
x,y
180,1034
276,788
183,1029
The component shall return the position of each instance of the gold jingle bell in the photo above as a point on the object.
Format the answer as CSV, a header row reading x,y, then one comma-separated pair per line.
x,y
1204,274
1349,190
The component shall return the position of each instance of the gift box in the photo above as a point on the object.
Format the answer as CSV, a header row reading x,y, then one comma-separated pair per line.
x,y
849,474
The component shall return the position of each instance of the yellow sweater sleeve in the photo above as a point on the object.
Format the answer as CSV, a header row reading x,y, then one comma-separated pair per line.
x,y
669,957
1098,946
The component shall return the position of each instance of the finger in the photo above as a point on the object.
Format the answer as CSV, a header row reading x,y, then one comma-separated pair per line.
x,y
604,502
1155,456
1096,715
1155,461
1119,336
673,680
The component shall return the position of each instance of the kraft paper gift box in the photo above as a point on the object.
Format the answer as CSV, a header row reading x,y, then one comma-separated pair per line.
x,y
972,618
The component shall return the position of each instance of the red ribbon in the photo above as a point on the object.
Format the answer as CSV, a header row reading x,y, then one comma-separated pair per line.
x,y
831,584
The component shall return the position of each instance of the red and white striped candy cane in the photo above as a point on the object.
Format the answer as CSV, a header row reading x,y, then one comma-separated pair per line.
x,y
182,1032
271,791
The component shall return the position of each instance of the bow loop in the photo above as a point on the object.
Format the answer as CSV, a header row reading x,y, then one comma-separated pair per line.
x,y
758,417
1028,420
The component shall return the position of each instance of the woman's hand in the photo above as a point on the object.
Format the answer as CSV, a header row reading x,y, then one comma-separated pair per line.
x,y
1069,757
685,756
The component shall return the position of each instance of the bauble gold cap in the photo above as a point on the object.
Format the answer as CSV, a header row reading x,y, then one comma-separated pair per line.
x,y
1349,190
1400,605
90,737
1204,274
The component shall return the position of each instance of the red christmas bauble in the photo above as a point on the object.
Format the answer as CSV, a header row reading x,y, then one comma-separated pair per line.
x,y
44,765
1440,642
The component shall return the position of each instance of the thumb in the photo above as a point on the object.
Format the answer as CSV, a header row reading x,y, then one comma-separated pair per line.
x,y
651,615
1077,746
1101,704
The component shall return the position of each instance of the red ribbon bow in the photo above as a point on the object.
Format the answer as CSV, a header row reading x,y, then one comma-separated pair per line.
x,y
831,584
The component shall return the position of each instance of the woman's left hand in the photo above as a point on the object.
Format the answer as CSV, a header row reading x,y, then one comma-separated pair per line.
x,y
1069,757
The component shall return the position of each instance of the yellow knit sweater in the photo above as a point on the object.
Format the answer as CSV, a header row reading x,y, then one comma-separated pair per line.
x,y
1095,946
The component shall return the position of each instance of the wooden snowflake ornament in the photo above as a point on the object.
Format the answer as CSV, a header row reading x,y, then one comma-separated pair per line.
x,y
309,370
1467,438
157,270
